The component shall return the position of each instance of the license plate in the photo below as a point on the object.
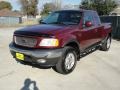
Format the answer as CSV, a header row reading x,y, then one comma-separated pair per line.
x,y
20,56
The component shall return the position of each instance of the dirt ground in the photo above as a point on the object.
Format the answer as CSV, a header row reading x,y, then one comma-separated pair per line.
x,y
97,71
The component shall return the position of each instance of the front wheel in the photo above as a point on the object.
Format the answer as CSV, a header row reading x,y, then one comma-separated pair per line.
x,y
68,62
106,45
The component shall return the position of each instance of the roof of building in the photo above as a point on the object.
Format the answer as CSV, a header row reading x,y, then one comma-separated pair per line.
x,y
8,13
116,10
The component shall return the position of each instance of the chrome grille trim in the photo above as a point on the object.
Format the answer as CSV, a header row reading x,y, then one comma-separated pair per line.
x,y
25,41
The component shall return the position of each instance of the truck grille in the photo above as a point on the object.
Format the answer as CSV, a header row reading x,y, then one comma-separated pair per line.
x,y
25,41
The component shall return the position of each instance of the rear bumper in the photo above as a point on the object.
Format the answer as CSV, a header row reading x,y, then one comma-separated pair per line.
x,y
43,57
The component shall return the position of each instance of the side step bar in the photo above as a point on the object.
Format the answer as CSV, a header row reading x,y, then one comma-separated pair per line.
x,y
89,50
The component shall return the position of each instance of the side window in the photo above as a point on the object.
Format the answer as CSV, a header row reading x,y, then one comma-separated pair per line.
x,y
75,17
88,17
96,19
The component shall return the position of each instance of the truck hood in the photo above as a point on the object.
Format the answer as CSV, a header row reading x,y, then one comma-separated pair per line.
x,y
42,29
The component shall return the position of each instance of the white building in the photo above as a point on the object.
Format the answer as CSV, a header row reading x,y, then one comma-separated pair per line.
x,y
70,6
116,11
58,3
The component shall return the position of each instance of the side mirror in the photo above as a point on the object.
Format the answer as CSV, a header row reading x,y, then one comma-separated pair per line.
x,y
88,24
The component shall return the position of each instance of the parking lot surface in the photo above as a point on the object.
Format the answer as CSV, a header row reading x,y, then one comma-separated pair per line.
x,y
97,71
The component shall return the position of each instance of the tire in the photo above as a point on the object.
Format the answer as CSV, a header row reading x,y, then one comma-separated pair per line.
x,y
68,62
106,44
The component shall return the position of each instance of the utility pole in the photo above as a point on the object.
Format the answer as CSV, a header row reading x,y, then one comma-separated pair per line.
x,y
58,3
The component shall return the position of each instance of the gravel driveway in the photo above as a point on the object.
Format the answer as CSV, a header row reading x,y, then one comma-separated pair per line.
x,y
97,71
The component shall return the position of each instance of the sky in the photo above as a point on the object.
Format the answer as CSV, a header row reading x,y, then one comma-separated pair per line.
x,y
16,5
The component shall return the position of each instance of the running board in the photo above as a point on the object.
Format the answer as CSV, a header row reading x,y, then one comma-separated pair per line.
x,y
89,50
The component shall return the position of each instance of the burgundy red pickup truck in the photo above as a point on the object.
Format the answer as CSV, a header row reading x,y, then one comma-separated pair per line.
x,y
60,39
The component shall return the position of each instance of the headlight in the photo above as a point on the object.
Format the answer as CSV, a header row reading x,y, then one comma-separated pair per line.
x,y
49,42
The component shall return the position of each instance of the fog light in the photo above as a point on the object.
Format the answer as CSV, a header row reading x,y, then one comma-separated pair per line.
x,y
41,61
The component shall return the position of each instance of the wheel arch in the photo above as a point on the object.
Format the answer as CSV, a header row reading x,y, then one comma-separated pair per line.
x,y
74,44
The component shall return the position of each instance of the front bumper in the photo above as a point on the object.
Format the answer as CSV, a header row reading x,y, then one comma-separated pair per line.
x,y
36,56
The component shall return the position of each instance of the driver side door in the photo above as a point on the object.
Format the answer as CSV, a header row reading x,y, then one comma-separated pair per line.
x,y
88,34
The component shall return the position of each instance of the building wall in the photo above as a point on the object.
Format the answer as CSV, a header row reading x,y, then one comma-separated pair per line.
x,y
10,20
116,11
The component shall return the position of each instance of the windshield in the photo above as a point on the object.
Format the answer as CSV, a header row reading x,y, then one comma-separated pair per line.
x,y
63,17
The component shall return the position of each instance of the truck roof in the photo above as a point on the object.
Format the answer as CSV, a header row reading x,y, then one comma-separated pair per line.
x,y
80,10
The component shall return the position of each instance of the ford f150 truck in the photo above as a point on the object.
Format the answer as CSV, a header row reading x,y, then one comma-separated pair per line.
x,y
60,39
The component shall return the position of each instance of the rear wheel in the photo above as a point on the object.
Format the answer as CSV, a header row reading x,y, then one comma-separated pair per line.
x,y
68,62
106,45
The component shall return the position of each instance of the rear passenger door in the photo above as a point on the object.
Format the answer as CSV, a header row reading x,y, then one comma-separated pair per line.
x,y
89,35
98,27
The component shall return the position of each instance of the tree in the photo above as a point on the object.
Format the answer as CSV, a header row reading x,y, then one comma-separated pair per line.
x,y
4,5
29,7
48,7
103,7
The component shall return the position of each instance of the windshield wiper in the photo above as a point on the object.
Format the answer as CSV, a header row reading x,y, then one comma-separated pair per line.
x,y
62,23
43,23
59,23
